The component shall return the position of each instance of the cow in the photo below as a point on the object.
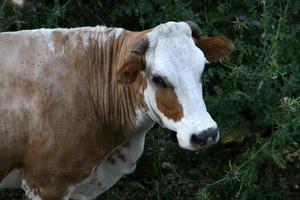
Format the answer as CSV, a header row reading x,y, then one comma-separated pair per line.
x,y
75,104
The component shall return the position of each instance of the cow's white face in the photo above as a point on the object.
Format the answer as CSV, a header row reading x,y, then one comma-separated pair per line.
x,y
174,92
174,66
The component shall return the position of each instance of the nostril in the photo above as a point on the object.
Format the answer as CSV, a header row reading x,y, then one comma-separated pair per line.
x,y
212,132
198,139
214,137
209,136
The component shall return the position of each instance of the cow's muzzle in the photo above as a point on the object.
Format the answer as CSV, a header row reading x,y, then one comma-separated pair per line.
x,y
206,137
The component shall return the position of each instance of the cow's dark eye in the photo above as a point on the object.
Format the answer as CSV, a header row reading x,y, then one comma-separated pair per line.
x,y
159,81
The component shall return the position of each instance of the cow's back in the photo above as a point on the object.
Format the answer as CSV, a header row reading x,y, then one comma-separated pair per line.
x,y
37,85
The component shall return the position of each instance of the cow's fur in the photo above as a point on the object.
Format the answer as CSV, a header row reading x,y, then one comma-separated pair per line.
x,y
62,111
68,127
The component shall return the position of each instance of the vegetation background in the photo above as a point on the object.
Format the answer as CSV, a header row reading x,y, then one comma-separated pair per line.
x,y
254,95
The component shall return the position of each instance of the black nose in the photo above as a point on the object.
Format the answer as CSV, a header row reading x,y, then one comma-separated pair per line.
x,y
202,138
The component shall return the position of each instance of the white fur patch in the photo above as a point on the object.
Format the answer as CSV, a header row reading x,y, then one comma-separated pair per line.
x,y
69,192
47,33
141,115
107,173
118,32
30,193
85,39
12,180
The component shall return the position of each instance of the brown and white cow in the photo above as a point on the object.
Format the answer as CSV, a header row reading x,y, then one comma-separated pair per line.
x,y
75,104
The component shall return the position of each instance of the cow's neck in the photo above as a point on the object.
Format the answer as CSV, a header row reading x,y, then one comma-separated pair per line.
x,y
120,108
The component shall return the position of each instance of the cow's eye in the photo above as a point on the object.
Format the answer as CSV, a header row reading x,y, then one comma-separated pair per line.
x,y
159,81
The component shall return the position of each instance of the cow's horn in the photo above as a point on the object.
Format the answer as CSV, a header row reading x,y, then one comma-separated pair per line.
x,y
141,46
196,32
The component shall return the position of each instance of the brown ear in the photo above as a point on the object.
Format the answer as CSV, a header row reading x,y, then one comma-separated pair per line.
x,y
215,48
131,68
134,63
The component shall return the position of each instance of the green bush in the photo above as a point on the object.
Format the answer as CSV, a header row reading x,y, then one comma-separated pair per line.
x,y
254,95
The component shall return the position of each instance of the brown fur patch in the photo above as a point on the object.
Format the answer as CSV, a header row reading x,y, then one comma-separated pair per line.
x,y
168,103
215,47
134,63
130,70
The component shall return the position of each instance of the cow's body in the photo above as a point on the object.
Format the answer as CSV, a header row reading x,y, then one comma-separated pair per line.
x,y
61,116
75,104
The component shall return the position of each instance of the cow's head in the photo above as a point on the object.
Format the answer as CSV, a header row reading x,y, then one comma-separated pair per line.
x,y
172,58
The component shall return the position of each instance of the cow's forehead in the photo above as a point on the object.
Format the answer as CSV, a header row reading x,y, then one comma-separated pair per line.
x,y
172,50
169,29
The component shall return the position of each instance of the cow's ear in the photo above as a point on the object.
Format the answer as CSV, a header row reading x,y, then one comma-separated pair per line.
x,y
131,68
134,63
213,48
